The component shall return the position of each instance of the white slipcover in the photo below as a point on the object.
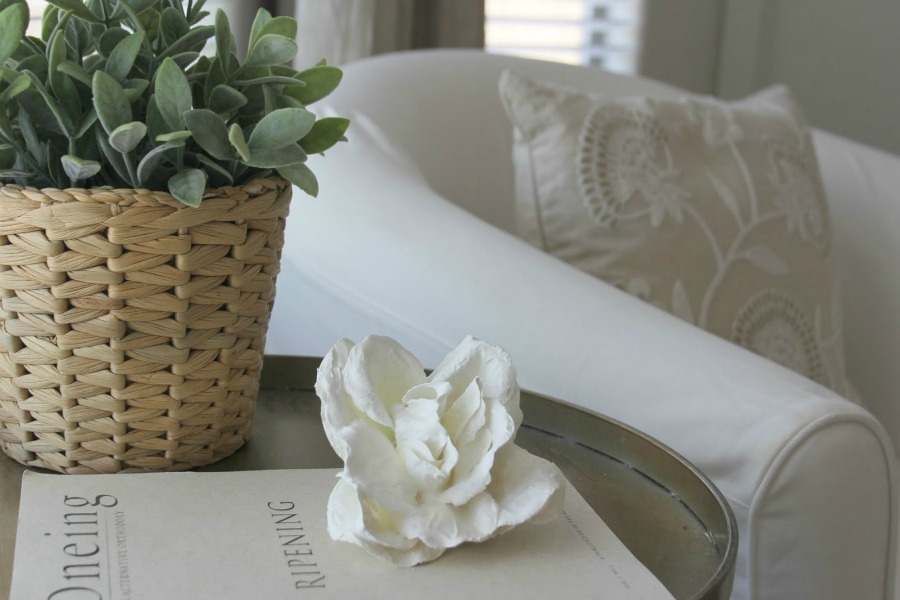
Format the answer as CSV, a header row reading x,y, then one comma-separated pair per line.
x,y
408,238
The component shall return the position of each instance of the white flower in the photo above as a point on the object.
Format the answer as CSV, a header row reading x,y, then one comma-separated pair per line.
x,y
429,462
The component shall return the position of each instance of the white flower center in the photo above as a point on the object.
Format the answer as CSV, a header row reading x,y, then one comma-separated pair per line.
x,y
423,443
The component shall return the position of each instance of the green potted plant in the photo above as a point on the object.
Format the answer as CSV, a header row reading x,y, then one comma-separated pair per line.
x,y
144,186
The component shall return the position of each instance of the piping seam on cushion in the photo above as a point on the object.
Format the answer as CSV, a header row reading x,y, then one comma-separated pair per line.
x,y
787,451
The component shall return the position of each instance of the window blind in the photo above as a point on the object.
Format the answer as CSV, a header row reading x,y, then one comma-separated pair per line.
x,y
602,33
36,9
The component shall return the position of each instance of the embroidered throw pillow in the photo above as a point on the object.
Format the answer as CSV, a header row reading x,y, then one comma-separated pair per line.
x,y
711,210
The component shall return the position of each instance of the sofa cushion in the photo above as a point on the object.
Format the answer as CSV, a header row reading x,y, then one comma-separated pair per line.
x,y
710,210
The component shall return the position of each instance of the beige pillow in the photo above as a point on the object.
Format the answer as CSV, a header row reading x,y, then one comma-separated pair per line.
x,y
710,210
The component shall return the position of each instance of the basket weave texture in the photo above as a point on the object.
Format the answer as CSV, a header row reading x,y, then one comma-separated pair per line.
x,y
132,327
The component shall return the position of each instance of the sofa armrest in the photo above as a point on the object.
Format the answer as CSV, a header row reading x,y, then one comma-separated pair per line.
x,y
380,252
862,186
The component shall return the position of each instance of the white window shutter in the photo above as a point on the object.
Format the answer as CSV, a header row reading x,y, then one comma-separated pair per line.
x,y
36,10
603,33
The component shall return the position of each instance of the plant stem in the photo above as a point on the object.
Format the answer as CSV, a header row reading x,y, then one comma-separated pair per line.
x,y
32,45
23,153
72,181
105,10
132,173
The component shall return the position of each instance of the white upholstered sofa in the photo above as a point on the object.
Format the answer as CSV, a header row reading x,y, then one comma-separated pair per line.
x,y
410,237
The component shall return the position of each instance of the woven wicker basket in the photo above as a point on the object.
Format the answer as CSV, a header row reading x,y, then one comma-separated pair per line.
x,y
132,327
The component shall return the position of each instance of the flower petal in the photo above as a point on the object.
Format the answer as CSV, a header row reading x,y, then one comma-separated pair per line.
x,y
422,443
473,470
476,462
337,410
465,415
478,519
433,524
445,526
378,373
475,358
526,487
373,466
350,521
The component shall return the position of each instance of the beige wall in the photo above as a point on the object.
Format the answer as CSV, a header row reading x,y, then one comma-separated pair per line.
x,y
841,58
680,41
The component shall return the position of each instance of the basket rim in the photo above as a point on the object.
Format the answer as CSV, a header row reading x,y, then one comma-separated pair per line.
x,y
143,196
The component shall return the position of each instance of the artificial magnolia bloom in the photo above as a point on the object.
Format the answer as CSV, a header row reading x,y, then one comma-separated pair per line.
x,y
429,462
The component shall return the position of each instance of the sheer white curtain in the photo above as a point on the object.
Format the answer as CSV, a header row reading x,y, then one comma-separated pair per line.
x,y
339,31
240,15
345,30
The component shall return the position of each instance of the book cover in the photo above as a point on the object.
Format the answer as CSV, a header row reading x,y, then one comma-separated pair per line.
x,y
262,534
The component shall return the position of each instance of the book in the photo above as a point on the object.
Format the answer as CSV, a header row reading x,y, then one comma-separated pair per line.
x,y
263,534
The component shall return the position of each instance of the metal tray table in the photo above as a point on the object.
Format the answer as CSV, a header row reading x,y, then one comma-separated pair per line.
x,y
664,510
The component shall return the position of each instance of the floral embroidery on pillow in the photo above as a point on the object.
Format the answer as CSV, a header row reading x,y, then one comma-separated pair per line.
x,y
799,193
772,325
716,119
623,153
714,211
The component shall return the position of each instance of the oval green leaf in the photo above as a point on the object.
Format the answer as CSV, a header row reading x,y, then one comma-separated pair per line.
x,y
78,169
187,186
271,50
278,157
78,8
175,136
262,17
193,41
281,127
56,54
64,122
109,39
121,59
87,122
225,99
215,171
137,6
325,133
75,71
125,138
135,88
110,102
37,64
236,137
152,159
320,81
210,131
49,22
186,59
283,26
114,157
13,22
224,38
173,94
301,176
19,85
172,25
156,125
